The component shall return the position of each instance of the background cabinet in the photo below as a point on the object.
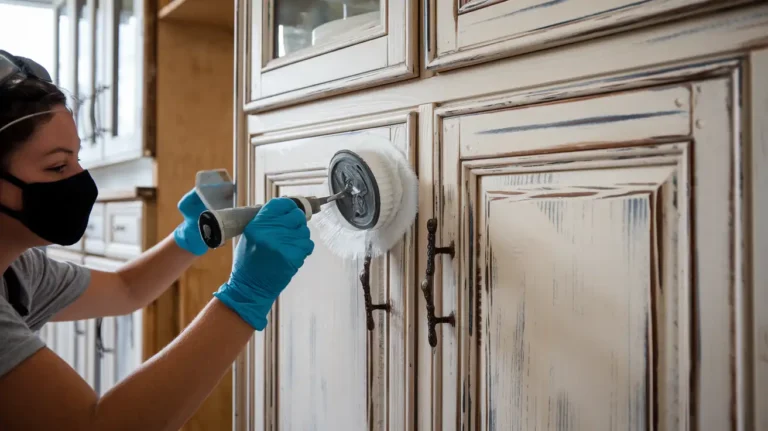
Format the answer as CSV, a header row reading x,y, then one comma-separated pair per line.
x,y
106,83
106,350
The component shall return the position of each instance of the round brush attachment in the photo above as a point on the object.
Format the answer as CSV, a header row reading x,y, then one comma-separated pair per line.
x,y
381,206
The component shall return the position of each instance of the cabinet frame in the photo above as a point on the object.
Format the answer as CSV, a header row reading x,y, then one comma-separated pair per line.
x,y
457,38
273,83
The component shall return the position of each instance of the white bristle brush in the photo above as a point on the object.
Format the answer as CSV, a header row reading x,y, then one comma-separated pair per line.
x,y
399,201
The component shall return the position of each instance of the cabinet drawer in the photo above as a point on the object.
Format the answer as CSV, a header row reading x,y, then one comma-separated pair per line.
x,y
307,50
473,31
124,229
95,232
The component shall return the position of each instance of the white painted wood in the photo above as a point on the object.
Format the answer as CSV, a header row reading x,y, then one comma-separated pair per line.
x,y
624,60
507,28
316,357
124,229
759,213
642,115
544,241
427,169
382,54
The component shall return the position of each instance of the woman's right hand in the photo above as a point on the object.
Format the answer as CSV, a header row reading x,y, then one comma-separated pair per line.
x,y
271,250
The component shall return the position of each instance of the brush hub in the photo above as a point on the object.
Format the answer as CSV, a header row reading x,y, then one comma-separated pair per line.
x,y
361,208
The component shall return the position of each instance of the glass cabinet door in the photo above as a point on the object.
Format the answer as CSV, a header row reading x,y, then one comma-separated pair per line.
x,y
121,64
85,104
306,49
467,32
64,48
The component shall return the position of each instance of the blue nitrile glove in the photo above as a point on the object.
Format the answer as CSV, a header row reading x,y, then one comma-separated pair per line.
x,y
187,234
271,250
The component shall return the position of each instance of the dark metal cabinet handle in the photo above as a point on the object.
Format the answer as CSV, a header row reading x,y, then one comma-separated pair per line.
x,y
100,350
427,285
365,280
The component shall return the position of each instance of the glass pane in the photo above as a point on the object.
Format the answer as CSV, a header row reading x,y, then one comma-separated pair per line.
x,y
126,68
83,73
63,64
302,24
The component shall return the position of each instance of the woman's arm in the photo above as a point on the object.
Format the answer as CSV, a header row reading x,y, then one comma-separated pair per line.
x,y
142,280
133,286
43,392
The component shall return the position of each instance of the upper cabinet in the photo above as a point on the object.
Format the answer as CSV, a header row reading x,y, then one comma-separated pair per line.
x,y
465,32
306,49
106,83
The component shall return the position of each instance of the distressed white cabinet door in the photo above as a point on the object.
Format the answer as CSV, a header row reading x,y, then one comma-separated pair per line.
x,y
592,282
473,31
306,49
316,365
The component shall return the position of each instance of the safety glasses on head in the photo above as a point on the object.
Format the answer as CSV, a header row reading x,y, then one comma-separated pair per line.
x,y
12,65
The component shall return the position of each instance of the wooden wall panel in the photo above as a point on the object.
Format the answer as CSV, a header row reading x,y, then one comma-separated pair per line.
x,y
195,132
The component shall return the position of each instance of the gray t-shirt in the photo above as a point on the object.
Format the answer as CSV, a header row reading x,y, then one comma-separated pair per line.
x,y
47,286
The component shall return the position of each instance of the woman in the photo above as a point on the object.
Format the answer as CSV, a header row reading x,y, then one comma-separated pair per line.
x,y
46,198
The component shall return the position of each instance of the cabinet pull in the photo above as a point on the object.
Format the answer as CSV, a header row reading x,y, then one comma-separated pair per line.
x,y
427,286
365,280
100,350
118,228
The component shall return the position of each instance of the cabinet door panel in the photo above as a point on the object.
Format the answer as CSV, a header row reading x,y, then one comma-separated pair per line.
x,y
122,83
303,50
591,279
473,31
92,148
316,358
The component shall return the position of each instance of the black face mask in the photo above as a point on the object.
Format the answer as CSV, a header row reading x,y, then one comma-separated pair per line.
x,y
58,211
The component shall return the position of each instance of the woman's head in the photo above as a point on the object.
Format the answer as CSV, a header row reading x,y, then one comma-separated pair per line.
x,y
39,148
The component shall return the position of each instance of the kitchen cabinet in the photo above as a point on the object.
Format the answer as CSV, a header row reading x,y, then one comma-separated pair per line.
x,y
475,31
106,82
105,350
303,50
318,349
588,214
118,339
72,341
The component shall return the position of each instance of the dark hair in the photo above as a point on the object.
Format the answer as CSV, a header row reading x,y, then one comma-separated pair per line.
x,y
24,96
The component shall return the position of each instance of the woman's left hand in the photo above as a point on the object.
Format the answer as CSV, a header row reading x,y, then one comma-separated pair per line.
x,y
187,234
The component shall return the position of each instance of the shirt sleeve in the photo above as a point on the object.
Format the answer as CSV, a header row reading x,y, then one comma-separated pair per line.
x,y
17,341
58,284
